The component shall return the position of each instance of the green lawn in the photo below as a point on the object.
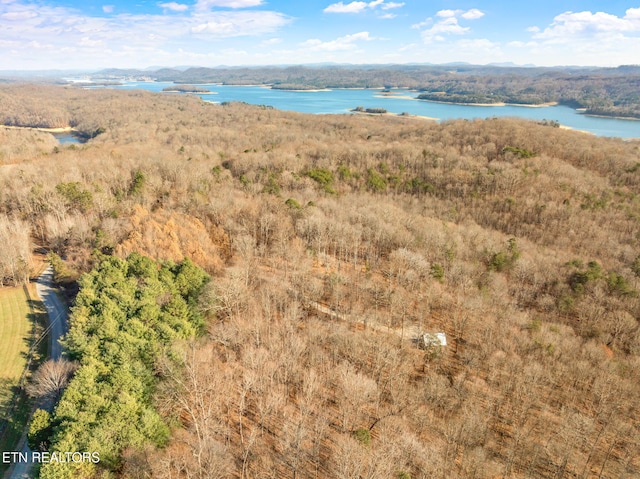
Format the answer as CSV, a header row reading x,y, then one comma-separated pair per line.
x,y
16,332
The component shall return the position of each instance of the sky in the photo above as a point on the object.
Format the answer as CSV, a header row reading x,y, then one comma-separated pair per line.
x,y
93,34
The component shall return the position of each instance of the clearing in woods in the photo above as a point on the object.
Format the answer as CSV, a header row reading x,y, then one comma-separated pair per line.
x,y
16,332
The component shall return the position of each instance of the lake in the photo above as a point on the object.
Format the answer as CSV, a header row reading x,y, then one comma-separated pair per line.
x,y
341,101
64,138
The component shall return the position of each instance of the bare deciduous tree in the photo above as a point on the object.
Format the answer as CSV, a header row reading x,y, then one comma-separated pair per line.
x,y
51,378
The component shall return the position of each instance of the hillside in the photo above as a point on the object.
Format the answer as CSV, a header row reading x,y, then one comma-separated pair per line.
x,y
332,241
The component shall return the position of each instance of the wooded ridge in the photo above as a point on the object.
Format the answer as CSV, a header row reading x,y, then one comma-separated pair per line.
x,y
331,241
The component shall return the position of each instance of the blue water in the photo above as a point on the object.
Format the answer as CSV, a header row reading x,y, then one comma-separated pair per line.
x,y
341,101
66,138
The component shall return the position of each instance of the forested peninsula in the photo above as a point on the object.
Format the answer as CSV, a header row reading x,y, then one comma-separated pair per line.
x,y
249,288
611,92
185,89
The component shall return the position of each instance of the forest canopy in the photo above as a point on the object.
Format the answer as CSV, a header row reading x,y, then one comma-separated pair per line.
x,y
333,242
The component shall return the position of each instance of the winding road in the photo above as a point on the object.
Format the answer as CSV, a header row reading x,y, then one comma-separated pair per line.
x,y
57,311
58,325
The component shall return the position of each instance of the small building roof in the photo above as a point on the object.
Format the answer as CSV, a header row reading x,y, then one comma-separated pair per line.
x,y
434,339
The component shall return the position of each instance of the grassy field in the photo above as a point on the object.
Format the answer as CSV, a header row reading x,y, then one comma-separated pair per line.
x,y
15,334
18,312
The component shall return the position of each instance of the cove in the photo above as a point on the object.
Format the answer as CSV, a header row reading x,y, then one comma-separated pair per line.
x,y
64,138
400,101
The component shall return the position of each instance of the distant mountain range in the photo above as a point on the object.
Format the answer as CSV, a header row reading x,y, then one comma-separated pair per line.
x,y
175,72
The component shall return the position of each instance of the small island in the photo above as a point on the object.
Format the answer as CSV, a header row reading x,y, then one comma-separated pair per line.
x,y
299,87
373,111
185,89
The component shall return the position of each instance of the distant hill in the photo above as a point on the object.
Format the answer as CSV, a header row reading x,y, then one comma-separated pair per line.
x,y
600,91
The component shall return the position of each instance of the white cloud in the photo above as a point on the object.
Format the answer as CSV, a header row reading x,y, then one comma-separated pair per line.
x,y
233,52
40,46
107,8
235,24
174,7
471,50
390,5
208,4
359,36
588,24
408,47
271,41
79,39
357,6
448,24
88,42
215,28
448,13
348,42
519,44
425,23
472,14
353,7
24,15
584,38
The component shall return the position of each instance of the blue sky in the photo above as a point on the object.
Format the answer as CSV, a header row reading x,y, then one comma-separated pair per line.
x,y
93,34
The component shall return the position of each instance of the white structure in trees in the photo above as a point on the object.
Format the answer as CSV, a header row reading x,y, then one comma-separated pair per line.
x,y
428,340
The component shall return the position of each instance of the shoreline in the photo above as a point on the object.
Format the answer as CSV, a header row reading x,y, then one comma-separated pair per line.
x,y
301,91
270,87
394,115
581,111
611,117
569,128
62,129
420,117
191,92
398,96
540,105
461,104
